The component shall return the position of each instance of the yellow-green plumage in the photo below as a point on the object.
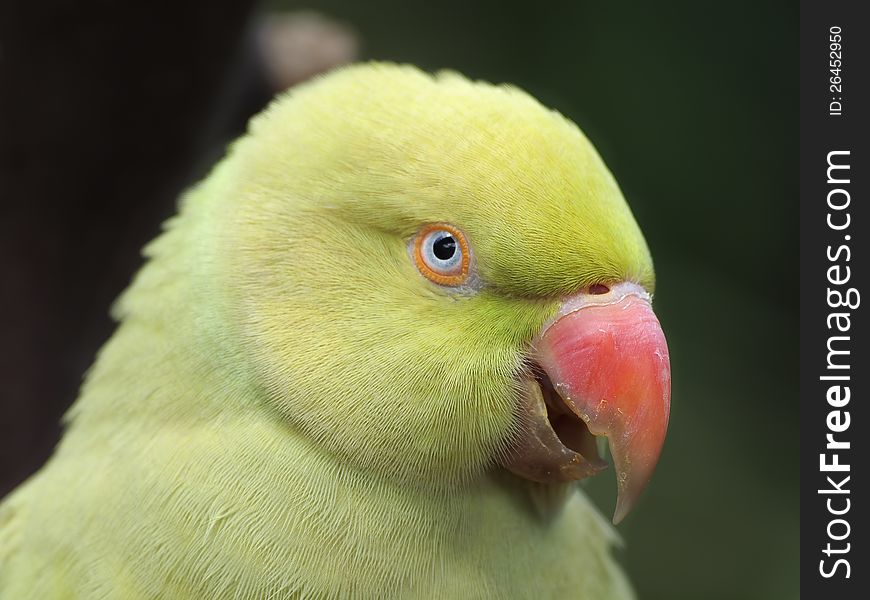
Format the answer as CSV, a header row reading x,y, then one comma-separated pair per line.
x,y
290,409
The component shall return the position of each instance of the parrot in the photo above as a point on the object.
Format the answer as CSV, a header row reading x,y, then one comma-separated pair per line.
x,y
371,356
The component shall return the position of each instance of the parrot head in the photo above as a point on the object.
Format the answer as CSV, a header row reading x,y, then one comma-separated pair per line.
x,y
432,278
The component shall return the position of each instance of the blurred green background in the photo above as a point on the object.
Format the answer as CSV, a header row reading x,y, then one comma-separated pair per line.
x,y
694,106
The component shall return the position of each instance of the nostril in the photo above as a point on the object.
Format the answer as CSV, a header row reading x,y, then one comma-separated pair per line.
x,y
597,289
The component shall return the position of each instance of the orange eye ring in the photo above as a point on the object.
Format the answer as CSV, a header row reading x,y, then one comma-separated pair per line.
x,y
442,255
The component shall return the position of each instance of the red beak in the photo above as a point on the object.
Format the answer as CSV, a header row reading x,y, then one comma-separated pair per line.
x,y
607,360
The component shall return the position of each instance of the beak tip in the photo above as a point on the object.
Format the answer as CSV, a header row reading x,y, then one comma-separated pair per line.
x,y
618,515
625,502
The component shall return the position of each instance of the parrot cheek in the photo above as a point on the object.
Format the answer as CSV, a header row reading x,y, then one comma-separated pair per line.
x,y
604,371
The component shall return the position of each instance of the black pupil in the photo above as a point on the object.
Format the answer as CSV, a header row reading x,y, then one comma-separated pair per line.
x,y
444,248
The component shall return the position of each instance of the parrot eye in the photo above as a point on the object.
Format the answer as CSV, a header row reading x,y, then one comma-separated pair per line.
x,y
441,254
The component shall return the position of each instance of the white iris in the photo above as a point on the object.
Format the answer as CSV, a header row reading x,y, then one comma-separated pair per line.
x,y
448,263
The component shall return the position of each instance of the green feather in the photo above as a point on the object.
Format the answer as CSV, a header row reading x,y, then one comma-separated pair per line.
x,y
290,409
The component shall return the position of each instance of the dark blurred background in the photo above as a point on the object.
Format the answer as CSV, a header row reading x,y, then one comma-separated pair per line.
x,y
107,111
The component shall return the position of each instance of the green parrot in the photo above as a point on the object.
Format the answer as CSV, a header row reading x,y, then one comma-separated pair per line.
x,y
367,359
